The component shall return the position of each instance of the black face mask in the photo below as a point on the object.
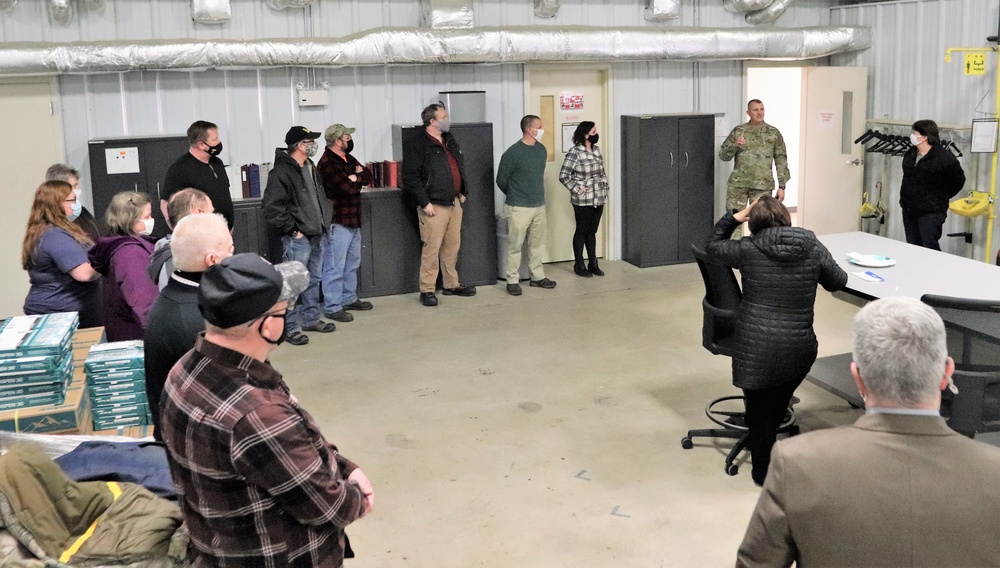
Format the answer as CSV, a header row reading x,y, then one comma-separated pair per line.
x,y
281,338
214,150
349,147
593,139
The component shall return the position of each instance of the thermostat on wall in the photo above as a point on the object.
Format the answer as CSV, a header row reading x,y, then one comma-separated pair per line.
x,y
314,98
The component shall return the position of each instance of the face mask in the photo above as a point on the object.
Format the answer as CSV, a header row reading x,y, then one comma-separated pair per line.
x,y
349,147
76,211
281,338
148,229
593,139
914,139
311,150
214,150
539,133
444,125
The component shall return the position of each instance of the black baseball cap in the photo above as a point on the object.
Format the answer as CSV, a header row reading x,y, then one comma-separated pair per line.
x,y
297,134
244,287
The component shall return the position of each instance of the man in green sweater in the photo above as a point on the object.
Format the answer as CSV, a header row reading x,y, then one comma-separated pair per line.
x,y
521,178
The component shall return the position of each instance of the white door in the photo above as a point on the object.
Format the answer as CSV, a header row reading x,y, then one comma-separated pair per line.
x,y
31,143
563,98
833,115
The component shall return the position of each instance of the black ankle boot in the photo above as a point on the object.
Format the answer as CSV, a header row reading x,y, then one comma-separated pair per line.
x,y
580,270
595,270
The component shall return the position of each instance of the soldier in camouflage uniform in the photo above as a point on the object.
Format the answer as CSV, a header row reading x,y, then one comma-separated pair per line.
x,y
754,145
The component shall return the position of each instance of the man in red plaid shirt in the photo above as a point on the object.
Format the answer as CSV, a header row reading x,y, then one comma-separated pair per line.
x,y
342,177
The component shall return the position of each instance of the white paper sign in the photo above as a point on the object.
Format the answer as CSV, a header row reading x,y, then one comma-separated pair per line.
x,y
826,118
122,160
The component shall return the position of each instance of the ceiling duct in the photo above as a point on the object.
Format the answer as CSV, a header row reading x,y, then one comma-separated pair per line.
x,y
398,46
546,8
211,11
663,10
282,4
447,14
769,14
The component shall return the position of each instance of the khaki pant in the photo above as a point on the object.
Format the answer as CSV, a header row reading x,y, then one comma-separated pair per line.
x,y
442,237
525,222
738,198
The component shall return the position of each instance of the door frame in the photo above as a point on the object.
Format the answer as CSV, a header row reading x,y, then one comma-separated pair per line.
x,y
612,238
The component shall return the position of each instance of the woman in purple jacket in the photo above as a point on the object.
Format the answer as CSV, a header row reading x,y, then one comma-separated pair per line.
x,y
121,257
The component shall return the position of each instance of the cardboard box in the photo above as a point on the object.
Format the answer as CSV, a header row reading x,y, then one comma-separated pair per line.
x,y
106,412
113,422
128,431
63,372
118,399
113,376
101,390
70,417
117,356
29,400
32,336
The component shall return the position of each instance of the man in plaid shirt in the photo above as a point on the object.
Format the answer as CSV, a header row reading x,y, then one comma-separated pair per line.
x,y
258,484
342,177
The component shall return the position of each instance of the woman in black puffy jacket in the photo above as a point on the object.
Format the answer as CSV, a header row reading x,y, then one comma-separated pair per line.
x,y
780,266
931,177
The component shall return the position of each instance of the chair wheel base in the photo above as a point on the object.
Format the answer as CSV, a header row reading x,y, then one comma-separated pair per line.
x,y
687,443
732,469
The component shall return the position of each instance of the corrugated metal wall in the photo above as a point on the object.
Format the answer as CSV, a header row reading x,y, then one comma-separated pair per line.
x,y
254,108
909,80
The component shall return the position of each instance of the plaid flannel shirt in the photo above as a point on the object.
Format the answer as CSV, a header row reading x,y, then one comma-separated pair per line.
x,y
582,173
334,174
258,484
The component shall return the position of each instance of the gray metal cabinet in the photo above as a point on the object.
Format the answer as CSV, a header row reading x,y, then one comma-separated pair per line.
x,y
668,186
156,154
390,244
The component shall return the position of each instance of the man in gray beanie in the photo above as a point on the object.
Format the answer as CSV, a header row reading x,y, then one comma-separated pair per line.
x,y
258,484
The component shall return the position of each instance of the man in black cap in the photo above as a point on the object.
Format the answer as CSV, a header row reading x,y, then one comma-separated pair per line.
x,y
297,209
257,482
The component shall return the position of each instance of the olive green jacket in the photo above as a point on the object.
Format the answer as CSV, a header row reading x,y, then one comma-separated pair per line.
x,y
764,146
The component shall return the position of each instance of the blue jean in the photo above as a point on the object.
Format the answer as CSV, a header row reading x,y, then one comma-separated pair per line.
x,y
308,251
341,260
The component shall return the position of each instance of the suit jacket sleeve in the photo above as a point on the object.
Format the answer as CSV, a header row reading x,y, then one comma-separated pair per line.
x,y
413,172
768,541
720,247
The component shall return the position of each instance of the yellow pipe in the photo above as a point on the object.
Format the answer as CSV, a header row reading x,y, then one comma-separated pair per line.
x,y
950,50
993,177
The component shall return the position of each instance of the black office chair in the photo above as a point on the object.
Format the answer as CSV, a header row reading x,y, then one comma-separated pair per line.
x,y
719,307
972,327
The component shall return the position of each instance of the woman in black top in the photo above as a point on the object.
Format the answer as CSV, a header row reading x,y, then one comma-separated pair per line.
x,y
780,266
931,177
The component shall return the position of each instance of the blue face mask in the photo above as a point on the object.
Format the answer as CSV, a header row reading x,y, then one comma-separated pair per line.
x,y
77,208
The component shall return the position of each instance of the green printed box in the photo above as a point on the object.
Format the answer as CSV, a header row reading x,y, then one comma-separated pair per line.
x,y
32,336
117,356
61,373
100,390
119,399
123,421
32,400
119,410
116,376
24,390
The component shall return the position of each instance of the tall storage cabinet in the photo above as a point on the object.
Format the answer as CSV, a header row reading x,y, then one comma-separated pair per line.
x,y
668,186
134,164
477,257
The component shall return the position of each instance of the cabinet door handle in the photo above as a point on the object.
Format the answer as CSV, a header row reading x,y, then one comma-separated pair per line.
x,y
671,159
158,191
687,159
136,187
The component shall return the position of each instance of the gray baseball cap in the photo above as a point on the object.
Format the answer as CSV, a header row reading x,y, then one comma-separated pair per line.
x,y
244,287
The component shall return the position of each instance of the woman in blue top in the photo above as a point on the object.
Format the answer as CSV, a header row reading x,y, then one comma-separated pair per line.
x,y
55,255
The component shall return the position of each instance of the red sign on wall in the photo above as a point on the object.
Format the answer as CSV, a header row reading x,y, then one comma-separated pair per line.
x,y
571,102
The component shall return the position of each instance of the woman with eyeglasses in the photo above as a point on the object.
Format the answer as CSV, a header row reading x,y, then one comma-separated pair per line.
x,y
122,256
54,253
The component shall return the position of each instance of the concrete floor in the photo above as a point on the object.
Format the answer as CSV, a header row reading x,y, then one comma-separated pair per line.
x,y
542,430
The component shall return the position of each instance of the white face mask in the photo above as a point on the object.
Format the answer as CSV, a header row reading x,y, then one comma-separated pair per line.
x,y
914,139
539,134
148,229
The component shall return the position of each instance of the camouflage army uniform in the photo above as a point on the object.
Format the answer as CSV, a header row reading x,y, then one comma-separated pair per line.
x,y
752,175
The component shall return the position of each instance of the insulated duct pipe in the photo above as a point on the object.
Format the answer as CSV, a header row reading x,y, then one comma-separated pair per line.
x,y
545,8
447,14
663,10
742,6
769,14
396,46
282,4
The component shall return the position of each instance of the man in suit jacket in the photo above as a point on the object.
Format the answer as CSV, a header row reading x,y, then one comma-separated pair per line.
x,y
898,487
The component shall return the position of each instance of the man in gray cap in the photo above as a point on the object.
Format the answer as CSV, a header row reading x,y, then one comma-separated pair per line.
x,y
295,207
256,479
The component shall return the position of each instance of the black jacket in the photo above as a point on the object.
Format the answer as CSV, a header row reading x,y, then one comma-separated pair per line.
x,y
426,172
288,203
780,268
929,184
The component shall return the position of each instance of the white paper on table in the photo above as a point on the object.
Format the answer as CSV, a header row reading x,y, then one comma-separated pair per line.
x,y
869,276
